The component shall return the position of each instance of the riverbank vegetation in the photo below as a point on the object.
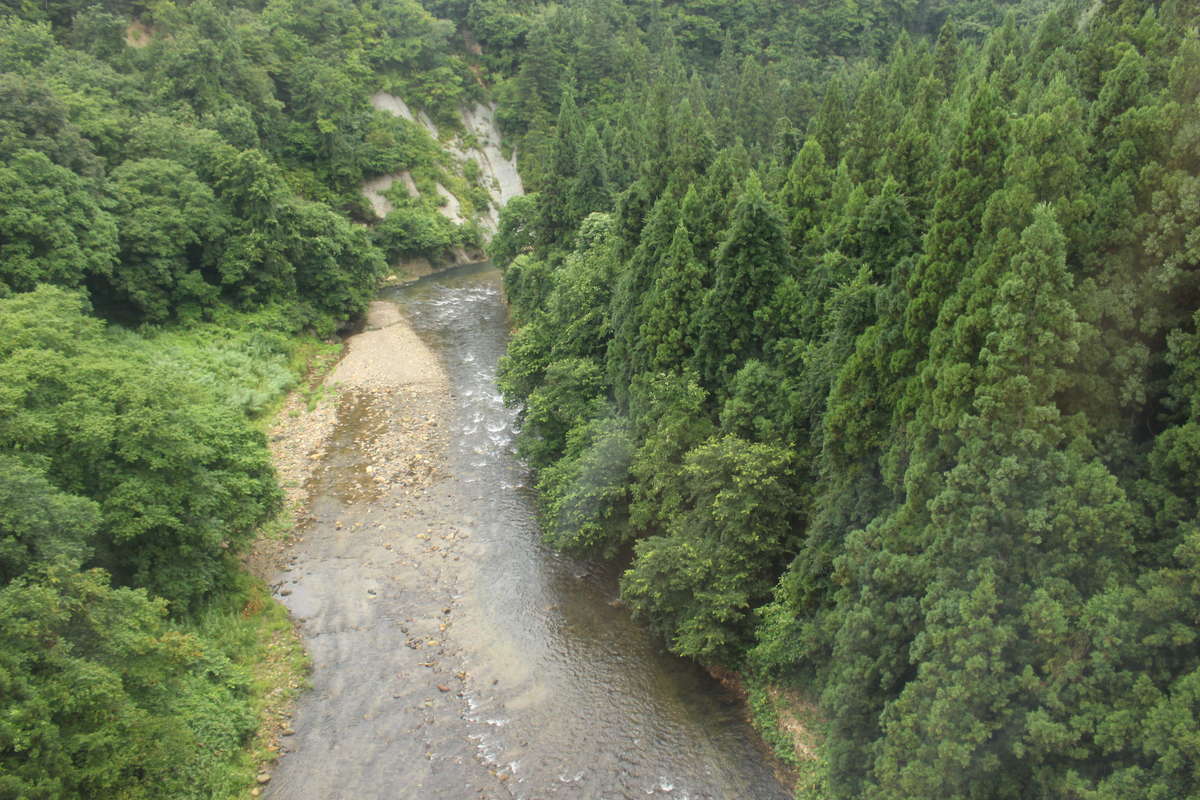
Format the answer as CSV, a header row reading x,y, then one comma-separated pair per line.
x,y
872,329
869,327
181,223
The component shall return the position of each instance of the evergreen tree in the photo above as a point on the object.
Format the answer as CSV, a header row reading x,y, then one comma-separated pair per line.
x,y
751,261
715,200
804,197
1027,529
952,374
627,355
556,214
668,332
973,172
588,190
829,125
692,142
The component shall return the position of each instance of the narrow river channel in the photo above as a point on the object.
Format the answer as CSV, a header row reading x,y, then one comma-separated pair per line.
x,y
522,677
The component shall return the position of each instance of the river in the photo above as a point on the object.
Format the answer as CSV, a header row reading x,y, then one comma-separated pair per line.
x,y
487,665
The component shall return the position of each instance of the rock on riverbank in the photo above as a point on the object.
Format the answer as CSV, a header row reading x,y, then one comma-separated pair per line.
x,y
386,375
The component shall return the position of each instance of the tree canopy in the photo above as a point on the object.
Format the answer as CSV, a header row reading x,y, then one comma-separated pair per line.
x,y
894,393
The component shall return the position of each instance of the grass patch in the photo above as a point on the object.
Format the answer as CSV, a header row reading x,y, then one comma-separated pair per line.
x,y
311,359
791,725
252,630
315,394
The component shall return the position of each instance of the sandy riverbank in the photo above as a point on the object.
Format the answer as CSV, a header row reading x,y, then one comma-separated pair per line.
x,y
384,367
387,375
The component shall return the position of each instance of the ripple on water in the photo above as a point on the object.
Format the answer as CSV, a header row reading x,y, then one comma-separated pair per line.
x,y
568,696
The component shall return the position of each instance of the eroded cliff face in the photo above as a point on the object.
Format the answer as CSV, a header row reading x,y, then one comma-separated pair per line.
x,y
501,172
481,144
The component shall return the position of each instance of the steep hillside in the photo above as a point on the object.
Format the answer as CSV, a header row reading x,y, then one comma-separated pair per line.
x,y
878,354
489,178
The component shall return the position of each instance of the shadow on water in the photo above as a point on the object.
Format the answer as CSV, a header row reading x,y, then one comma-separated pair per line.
x,y
568,697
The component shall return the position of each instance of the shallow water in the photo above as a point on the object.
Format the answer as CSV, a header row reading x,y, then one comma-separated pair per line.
x,y
567,696
457,657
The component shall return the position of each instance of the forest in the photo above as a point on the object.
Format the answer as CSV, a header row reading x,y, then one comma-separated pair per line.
x,y
181,229
866,336
863,333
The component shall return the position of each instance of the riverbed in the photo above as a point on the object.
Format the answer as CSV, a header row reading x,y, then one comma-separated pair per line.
x,y
454,655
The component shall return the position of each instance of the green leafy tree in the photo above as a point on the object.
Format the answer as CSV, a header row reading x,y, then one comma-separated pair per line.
x,y
585,493
97,690
180,481
40,525
53,227
33,117
570,393
699,583
514,234
409,232
169,225
670,419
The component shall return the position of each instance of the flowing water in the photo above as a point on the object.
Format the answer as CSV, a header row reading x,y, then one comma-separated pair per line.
x,y
561,694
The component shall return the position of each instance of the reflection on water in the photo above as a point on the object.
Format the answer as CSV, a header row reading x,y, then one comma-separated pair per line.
x,y
568,697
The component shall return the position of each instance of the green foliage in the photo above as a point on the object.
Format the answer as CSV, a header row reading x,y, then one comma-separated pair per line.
x,y
569,393
698,582
752,259
408,232
103,697
191,171
901,409
585,493
96,413
168,220
53,227
244,361
38,523
626,354
34,118
669,409
1011,569
669,334
514,234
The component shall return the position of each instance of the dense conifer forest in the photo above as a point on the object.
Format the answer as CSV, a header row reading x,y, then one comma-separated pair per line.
x,y
865,333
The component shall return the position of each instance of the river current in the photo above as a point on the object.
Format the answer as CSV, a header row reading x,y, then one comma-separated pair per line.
x,y
562,695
